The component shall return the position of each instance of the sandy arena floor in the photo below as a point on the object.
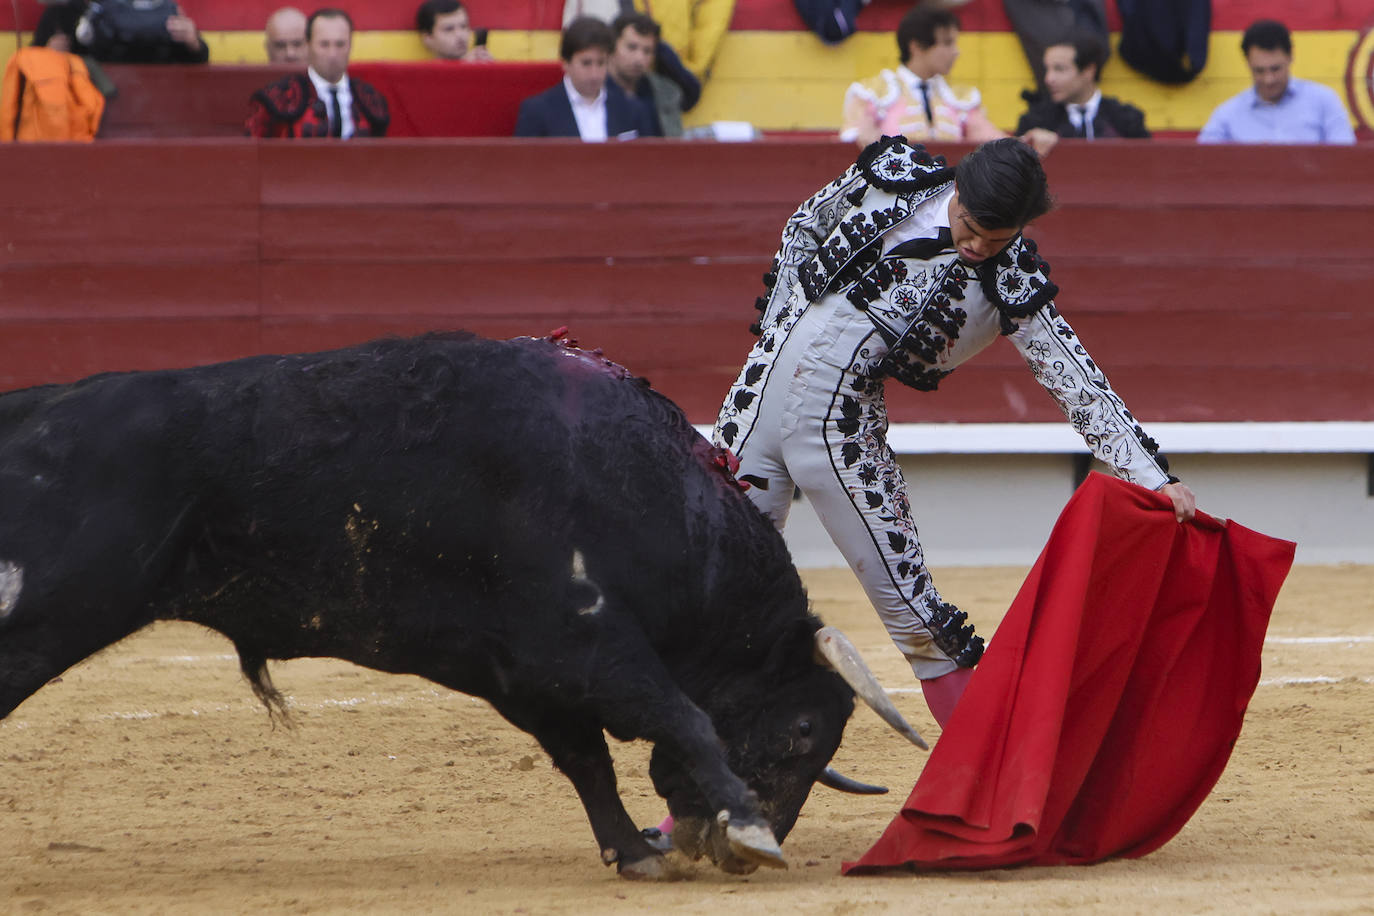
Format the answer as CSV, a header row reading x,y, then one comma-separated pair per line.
x,y
149,780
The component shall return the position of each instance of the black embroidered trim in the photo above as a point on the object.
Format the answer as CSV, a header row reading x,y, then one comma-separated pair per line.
x,y
926,171
949,632
910,358
373,106
287,98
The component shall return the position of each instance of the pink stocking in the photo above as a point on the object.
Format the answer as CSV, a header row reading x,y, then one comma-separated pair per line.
x,y
942,693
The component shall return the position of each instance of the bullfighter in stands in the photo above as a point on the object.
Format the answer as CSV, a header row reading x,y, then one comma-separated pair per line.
x,y
323,101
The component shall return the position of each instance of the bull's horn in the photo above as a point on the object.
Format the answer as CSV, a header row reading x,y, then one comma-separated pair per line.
x,y
840,782
834,649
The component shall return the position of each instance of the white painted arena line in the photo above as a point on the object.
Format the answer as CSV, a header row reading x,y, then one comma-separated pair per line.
x,y
1315,640
440,694
1296,681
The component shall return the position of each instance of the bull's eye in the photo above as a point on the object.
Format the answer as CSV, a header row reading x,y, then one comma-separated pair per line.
x,y
804,728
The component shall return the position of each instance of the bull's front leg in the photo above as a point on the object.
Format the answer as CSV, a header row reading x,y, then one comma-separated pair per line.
x,y
651,706
717,813
577,747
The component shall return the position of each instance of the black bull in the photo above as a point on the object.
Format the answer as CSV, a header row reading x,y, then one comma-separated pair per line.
x,y
518,520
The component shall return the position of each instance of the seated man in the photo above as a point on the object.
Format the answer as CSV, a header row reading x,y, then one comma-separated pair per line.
x,y
446,31
915,101
284,36
585,104
630,67
118,32
1073,104
295,106
1279,108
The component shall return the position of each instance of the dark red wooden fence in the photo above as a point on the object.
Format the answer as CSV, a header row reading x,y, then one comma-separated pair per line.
x,y
1213,283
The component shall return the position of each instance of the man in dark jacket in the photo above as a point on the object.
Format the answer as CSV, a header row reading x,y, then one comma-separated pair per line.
x,y
122,33
585,104
1072,104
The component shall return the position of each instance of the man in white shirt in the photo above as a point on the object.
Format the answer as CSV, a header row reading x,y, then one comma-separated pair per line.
x,y
585,104
1279,107
322,102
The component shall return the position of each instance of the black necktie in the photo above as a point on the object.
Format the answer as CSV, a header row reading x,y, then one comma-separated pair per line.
x,y
925,100
922,249
335,115
1085,126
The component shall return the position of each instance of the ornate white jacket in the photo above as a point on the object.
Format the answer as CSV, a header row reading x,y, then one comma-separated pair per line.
x,y
918,316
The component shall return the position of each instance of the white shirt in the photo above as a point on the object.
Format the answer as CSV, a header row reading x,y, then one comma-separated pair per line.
x,y
590,115
322,88
1086,112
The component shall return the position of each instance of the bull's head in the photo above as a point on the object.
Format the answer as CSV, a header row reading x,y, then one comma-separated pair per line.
x,y
779,739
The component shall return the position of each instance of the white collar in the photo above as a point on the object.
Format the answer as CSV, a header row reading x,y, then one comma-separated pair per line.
x,y
913,82
322,85
577,98
1088,108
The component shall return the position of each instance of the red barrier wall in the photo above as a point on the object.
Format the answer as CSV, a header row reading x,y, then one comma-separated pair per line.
x,y
1215,283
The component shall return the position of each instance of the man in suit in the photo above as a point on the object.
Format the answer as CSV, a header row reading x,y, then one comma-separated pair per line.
x,y
585,104
323,101
1072,104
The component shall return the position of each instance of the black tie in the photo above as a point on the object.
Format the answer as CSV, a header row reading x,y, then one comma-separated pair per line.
x,y
925,100
923,249
335,115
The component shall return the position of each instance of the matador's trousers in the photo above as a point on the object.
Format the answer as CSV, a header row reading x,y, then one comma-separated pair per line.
x,y
821,424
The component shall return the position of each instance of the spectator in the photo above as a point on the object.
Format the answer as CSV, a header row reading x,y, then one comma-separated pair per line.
x,y
585,104
1040,23
1072,104
693,28
284,36
630,68
1279,108
915,101
116,31
294,105
446,31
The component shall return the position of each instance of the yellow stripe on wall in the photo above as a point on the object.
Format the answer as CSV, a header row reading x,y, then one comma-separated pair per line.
x,y
792,81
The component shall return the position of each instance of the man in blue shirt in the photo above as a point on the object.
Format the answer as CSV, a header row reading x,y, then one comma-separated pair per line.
x,y
1279,108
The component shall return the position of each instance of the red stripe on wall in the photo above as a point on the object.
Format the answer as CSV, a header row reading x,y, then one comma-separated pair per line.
x,y
763,15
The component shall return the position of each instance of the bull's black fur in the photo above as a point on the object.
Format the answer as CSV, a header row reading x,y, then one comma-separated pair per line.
x,y
421,506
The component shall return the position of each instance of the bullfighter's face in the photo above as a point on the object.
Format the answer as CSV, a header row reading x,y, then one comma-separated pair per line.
x,y
331,41
975,242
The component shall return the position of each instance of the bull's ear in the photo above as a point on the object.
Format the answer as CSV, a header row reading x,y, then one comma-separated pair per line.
x,y
796,642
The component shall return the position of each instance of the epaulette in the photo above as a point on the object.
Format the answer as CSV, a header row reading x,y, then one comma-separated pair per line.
x,y
1017,281
373,105
894,165
287,98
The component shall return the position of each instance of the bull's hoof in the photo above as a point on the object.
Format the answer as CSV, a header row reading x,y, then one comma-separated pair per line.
x,y
755,844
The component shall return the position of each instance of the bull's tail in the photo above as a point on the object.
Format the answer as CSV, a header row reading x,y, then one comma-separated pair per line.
x,y
254,668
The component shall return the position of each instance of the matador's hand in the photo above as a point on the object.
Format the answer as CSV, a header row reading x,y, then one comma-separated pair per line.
x,y
1185,504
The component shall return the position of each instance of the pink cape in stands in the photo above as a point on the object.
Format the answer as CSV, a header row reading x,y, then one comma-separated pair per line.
x,y
1109,699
